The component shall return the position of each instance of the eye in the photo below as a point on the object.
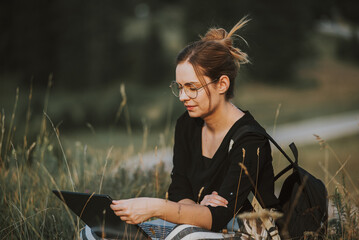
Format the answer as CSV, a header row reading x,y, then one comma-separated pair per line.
x,y
191,87
179,86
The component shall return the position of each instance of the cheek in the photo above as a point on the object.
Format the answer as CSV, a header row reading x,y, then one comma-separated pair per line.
x,y
205,102
202,100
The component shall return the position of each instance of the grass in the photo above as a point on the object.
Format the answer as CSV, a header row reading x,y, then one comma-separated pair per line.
x,y
93,158
29,171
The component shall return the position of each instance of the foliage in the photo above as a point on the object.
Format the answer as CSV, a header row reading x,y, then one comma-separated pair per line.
x,y
28,208
277,35
344,204
348,48
29,170
345,223
99,43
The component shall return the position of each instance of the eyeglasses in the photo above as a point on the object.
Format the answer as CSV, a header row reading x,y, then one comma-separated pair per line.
x,y
189,88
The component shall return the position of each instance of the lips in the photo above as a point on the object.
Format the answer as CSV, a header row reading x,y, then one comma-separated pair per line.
x,y
190,107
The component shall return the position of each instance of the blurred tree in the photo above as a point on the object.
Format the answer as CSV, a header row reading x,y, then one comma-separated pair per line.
x,y
95,45
349,10
154,67
27,39
78,42
277,35
83,44
349,48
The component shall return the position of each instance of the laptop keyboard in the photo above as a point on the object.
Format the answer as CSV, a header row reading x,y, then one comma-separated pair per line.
x,y
156,230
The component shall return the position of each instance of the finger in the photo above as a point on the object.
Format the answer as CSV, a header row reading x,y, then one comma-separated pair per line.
x,y
219,198
205,199
121,213
204,202
115,207
215,194
125,218
213,203
219,202
216,199
118,206
217,205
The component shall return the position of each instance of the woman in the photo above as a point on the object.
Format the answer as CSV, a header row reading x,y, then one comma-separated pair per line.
x,y
209,185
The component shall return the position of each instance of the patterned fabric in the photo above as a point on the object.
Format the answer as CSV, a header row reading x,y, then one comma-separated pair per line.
x,y
248,229
187,232
251,229
87,234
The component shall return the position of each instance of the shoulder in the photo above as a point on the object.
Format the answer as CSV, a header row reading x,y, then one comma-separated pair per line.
x,y
243,133
250,143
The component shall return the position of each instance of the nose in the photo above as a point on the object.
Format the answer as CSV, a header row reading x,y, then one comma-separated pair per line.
x,y
183,96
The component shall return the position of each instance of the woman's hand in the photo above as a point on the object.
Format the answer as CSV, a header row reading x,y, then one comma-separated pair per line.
x,y
214,200
133,211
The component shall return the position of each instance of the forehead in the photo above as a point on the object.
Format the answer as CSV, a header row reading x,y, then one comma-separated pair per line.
x,y
185,73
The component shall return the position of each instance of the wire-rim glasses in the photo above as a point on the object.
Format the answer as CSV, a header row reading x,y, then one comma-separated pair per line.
x,y
189,88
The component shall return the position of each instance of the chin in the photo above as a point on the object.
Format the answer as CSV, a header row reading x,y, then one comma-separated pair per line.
x,y
193,114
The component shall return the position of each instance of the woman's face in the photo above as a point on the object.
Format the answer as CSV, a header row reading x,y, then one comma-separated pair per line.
x,y
199,106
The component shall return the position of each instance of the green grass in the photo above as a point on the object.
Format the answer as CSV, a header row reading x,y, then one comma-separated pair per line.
x,y
30,170
28,208
30,211
91,159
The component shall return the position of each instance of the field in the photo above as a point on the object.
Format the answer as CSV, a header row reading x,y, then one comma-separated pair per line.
x,y
91,160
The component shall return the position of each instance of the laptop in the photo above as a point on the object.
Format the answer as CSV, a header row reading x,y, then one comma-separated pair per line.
x,y
95,211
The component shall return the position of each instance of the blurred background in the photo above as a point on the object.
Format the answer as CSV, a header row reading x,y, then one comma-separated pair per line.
x,y
101,69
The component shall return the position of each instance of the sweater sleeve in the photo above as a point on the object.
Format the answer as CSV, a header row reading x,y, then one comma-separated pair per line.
x,y
180,187
237,184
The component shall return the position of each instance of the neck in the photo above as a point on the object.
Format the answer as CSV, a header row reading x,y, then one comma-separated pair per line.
x,y
222,118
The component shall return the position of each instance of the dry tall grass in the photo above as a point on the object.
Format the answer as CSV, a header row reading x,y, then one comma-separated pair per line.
x,y
29,171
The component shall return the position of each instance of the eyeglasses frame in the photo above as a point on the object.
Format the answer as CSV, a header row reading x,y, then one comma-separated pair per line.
x,y
197,88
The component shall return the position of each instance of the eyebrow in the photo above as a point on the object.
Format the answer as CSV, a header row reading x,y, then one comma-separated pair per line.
x,y
190,82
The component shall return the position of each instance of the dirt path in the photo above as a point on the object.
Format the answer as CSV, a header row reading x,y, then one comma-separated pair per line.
x,y
328,127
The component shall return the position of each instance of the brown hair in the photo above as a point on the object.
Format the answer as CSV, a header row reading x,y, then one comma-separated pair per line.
x,y
214,55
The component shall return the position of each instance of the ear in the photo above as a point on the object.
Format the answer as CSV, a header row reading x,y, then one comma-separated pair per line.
x,y
223,84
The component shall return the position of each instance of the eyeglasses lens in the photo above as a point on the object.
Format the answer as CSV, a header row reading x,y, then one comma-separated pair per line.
x,y
175,87
189,89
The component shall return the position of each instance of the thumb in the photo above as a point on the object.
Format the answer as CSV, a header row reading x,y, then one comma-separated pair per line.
x,y
215,193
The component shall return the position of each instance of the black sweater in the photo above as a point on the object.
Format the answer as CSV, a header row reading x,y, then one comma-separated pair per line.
x,y
191,171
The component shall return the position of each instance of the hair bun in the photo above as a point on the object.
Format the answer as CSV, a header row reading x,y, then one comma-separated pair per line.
x,y
214,34
221,36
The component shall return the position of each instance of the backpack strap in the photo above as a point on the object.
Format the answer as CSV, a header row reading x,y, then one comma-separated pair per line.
x,y
269,225
241,131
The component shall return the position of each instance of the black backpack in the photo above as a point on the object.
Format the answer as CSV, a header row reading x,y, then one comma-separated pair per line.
x,y
303,197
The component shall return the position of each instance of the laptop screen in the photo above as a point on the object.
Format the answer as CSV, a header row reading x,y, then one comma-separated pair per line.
x,y
95,211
